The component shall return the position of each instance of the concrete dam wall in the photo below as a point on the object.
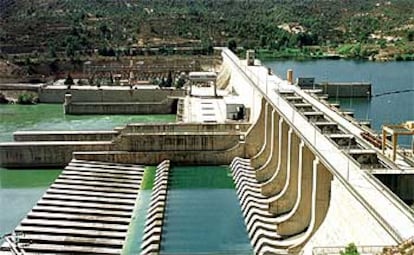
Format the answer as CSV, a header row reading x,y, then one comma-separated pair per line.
x,y
135,143
106,94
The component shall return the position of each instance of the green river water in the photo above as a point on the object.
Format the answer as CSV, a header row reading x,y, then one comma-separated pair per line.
x,y
203,215
20,189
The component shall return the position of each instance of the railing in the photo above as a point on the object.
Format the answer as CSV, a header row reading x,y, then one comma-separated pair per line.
x,y
347,172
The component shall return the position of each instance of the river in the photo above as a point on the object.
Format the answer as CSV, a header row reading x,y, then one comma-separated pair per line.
x,y
384,76
21,189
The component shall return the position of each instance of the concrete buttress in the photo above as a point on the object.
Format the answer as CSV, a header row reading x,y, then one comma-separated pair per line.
x,y
300,218
286,199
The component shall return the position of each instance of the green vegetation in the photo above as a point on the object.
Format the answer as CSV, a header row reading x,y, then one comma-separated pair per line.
x,y
69,80
3,99
27,98
376,29
148,179
351,249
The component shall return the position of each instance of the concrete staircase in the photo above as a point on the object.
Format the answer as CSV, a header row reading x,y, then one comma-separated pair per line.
x,y
87,210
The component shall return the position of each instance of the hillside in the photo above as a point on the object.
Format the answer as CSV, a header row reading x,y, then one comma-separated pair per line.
x,y
73,28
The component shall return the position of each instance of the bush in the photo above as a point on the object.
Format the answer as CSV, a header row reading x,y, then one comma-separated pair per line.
x,y
3,99
27,98
351,249
69,80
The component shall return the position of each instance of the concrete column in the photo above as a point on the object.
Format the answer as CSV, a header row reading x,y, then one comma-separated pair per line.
x,y
275,185
264,174
260,159
266,171
286,200
394,146
320,205
255,135
67,103
384,140
300,217
289,76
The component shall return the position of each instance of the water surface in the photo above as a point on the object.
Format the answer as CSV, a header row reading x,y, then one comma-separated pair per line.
x,y
21,189
385,77
52,117
203,215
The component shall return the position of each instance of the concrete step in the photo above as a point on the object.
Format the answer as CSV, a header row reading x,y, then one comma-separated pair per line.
x,y
71,232
103,174
53,190
88,199
74,224
87,211
83,204
98,184
70,249
97,178
90,168
79,217
71,240
88,188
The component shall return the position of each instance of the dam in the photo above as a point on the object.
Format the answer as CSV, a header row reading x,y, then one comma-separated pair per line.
x,y
301,170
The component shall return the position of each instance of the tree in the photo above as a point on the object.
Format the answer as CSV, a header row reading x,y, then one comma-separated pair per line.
x,y
69,80
162,82
232,45
111,79
169,81
351,249
180,83
410,35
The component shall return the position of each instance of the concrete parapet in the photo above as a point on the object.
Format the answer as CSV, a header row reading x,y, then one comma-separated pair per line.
x,y
167,106
25,136
185,127
176,141
106,94
44,154
177,157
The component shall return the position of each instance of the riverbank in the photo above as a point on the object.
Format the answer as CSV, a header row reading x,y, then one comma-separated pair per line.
x,y
357,51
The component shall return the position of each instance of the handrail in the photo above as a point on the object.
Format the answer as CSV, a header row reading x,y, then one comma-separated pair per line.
x,y
393,232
